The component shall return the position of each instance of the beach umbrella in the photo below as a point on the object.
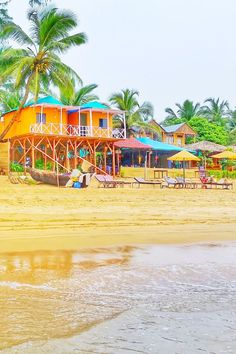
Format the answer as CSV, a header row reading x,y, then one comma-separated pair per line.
x,y
227,155
183,156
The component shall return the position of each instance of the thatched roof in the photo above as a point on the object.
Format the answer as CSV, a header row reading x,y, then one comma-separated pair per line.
x,y
205,146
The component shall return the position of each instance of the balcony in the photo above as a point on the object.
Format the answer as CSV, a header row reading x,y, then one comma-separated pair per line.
x,y
75,130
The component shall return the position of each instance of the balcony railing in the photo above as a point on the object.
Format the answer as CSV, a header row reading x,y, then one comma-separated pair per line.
x,y
75,130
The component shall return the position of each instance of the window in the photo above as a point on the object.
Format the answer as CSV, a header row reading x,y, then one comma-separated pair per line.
x,y
41,118
170,140
103,123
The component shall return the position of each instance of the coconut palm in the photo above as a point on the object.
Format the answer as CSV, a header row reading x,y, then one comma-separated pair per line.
x,y
38,61
77,97
185,112
231,124
9,97
137,115
216,111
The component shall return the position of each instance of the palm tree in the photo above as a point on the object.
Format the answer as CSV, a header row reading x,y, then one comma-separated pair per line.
x,y
9,97
78,97
137,115
185,112
216,111
38,61
231,124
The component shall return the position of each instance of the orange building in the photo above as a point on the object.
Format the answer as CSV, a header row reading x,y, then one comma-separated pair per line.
x,y
63,135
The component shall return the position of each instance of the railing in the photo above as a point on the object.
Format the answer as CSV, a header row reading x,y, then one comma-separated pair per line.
x,y
75,130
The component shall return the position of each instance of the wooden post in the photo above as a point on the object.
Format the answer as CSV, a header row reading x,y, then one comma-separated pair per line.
x,y
45,157
94,155
24,159
54,155
105,158
75,159
118,160
113,160
67,158
33,153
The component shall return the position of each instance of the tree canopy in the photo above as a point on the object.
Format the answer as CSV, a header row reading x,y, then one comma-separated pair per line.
x,y
137,114
209,131
37,62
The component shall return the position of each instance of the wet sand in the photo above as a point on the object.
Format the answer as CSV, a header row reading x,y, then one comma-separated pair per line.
x,y
45,217
149,299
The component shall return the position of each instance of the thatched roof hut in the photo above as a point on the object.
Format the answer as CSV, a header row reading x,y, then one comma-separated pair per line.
x,y
206,146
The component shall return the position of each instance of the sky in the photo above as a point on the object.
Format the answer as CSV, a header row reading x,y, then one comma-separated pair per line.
x,y
168,50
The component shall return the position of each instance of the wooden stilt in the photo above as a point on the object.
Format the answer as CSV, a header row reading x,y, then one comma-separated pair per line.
x,y
33,154
113,161
105,158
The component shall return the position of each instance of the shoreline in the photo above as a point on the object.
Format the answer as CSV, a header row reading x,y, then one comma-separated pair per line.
x,y
162,235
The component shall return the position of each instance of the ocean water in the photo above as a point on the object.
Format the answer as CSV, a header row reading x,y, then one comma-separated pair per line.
x,y
150,299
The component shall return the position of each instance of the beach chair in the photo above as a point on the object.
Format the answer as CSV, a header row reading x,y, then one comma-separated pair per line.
x,y
105,183
140,181
13,179
171,183
225,184
186,183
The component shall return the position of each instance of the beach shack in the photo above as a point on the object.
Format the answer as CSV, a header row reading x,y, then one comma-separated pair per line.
x,y
58,136
177,134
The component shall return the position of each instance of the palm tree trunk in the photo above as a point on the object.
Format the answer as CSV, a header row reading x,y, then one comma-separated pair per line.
x,y
16,114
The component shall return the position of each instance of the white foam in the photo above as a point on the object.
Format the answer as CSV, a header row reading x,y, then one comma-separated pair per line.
x,y
15,285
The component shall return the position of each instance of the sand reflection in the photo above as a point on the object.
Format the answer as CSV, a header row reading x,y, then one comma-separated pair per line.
x,y
43,294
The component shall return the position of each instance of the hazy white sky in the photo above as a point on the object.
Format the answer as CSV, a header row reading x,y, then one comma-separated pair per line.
x,y
169,50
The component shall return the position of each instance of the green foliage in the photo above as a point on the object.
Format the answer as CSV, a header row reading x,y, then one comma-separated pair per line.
x,y
216,111
232,136
49,166
209,131
223,174
184,112
39,164
37,62
137,115
172,121
78,96
16,167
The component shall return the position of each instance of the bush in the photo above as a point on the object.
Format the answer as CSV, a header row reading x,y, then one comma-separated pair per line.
x,y
16,167
223,174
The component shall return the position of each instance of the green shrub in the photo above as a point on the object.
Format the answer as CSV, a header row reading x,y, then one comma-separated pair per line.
x,y
49,166
39,164
16,167
223,174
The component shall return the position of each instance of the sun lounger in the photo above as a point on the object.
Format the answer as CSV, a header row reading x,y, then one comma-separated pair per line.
x,y
13,179
209,183
171,182
186,183
224,184
107,181
140,181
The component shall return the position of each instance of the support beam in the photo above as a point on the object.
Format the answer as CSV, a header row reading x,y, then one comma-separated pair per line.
x,y
113,161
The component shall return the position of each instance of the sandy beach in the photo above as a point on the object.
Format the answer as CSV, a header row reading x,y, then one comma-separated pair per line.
x,y
45,217
116,270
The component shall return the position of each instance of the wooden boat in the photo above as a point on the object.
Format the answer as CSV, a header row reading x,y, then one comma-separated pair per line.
x,y
49,177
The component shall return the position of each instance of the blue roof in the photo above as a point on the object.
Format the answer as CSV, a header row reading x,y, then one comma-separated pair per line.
x,y
47,100
157,145
172,128
94,105
44,100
